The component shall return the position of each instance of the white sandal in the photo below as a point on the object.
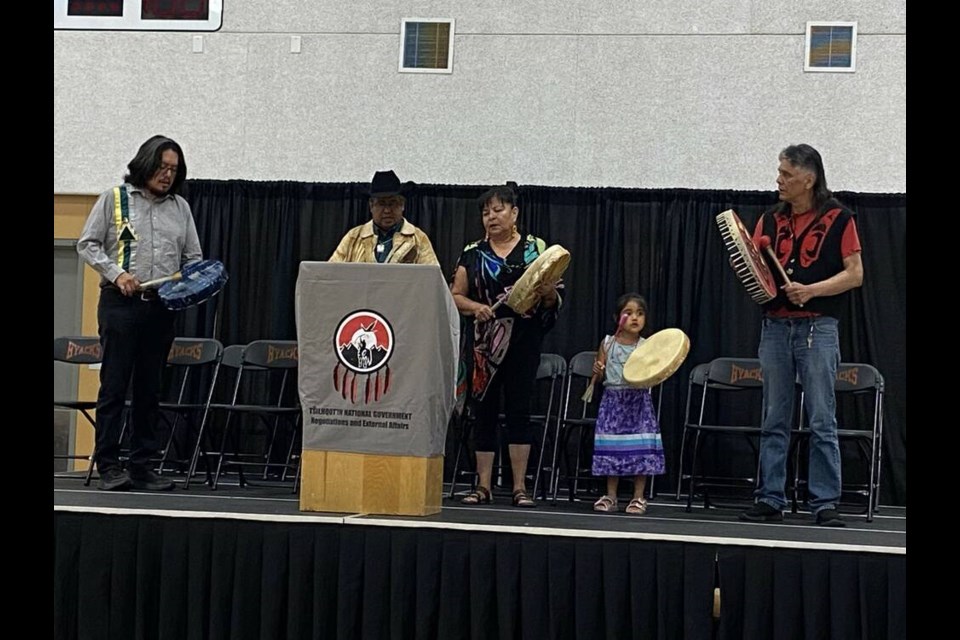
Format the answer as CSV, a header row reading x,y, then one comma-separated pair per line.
x,y
605,504
636,507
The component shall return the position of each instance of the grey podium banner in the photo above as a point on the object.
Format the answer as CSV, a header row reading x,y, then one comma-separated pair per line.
x,y
379,345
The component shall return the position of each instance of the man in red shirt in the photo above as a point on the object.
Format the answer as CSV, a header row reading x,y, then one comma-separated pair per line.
x,y
815,239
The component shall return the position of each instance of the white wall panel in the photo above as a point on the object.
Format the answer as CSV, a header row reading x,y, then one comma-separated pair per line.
x,y
634,94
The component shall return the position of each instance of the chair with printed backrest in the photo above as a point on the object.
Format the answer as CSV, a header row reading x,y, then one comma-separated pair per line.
x,y
76,351
545,411
859,391
193,366
265,392
724,398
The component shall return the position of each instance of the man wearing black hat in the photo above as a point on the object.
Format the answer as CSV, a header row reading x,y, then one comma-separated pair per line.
x,y
388,237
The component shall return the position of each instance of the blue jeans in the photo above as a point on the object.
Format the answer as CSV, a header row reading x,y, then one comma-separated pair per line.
x,y
805,350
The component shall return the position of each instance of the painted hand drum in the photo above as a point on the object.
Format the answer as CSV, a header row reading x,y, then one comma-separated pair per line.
x,y
198,282
547,268
745,258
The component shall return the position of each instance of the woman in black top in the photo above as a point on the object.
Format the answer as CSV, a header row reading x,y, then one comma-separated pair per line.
x,y
506,345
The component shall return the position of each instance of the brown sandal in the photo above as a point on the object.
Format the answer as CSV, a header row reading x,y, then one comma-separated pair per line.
x,y
521,499
481,495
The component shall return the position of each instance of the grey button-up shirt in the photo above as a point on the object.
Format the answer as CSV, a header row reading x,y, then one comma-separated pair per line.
x,y
164,236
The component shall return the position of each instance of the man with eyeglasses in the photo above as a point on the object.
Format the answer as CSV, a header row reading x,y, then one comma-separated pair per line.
x,y
388,237
139,231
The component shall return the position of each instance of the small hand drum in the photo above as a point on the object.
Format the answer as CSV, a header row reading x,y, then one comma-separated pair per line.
x,y
745,258
548,267
656,359
198,282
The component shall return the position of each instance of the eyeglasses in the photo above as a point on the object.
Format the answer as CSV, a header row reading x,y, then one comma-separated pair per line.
x,y
167,167
387,203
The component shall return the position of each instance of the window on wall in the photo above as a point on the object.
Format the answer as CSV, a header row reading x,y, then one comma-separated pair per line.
x,y
143,15
426,45
831,47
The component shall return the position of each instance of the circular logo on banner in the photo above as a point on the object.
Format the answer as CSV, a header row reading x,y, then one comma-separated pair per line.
x,y
363,341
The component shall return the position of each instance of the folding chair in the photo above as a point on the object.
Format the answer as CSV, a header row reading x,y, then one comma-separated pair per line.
x,y
193,365
549,382
582,417
722,378
76,351
266,360
859,390
553,368
225,386
695,390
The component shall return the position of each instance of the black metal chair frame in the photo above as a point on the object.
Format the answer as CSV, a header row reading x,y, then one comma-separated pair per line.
x,y
264,356
191,355
579,368
716,376
231,358
78,350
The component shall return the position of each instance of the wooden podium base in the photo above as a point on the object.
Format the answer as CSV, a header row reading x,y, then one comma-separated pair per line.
x,y
367,483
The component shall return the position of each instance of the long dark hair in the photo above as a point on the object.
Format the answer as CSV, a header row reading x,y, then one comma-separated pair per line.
x,y
806,157
149,158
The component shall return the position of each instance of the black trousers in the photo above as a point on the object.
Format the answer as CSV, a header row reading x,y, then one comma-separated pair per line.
x,y
515,378
135,338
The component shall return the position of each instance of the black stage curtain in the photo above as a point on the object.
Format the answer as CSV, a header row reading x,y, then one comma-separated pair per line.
x,y
205,579
662,243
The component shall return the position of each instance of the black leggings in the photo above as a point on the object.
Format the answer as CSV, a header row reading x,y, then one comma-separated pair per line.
x,y
516,378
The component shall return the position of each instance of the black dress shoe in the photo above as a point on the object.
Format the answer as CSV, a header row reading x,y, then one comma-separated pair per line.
x,y
762,512
829,517
114,479
148,480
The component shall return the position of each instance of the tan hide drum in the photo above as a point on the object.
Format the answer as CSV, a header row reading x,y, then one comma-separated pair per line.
x,y
547,268
656,359
745,258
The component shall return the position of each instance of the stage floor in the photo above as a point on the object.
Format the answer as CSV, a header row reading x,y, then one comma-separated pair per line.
x,y
665,520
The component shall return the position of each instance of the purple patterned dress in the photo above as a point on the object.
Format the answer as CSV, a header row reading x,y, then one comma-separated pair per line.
x,y
627,437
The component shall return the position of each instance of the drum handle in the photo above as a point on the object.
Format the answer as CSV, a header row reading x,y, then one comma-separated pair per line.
x,y
158,281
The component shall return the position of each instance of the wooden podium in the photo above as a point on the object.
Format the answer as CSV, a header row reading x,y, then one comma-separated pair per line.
x,y
367,483
378,357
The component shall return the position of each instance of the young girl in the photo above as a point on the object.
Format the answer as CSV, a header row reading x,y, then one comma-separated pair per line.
x,y
627,438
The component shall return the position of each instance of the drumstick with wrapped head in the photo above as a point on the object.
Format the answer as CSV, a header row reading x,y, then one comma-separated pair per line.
x,y
499,302
765,246
587,396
